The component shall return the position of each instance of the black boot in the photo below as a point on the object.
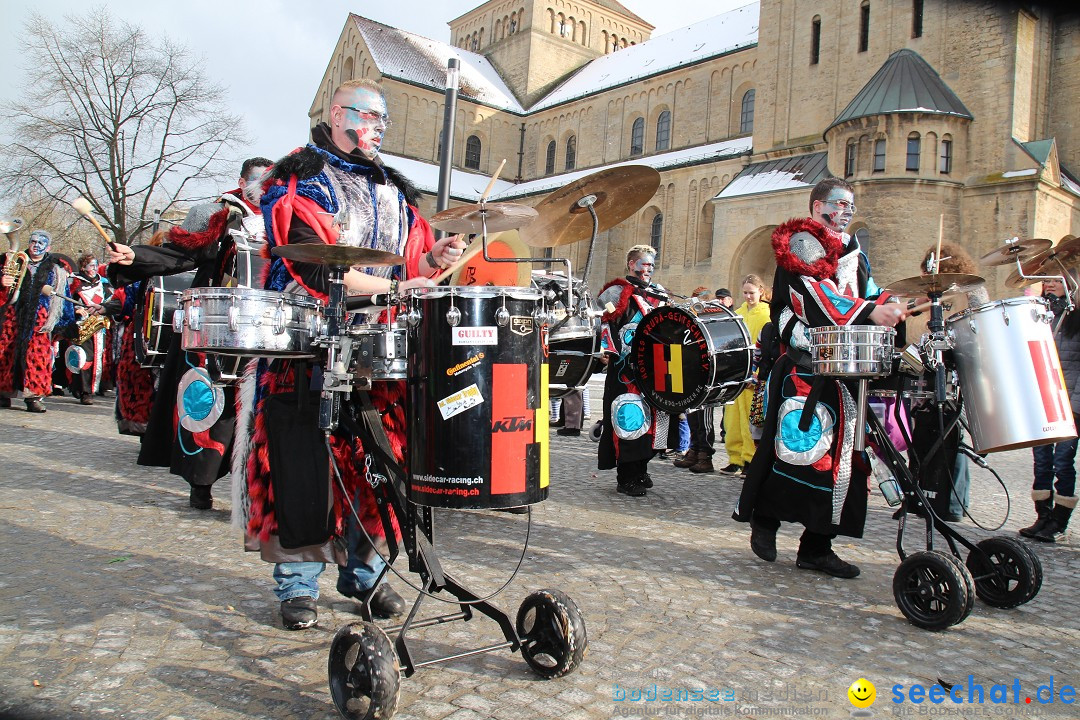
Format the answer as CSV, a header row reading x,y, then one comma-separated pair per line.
x,y
1043,507
1055,528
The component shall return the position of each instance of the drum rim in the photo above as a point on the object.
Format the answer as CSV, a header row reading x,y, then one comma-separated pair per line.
x,y
994,304
482,291
294,299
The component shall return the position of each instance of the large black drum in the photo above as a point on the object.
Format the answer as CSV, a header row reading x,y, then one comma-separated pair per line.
x,y
478,412
686,357
153,320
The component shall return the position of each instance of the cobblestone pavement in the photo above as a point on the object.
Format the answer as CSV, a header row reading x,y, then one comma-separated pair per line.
x,y
118,600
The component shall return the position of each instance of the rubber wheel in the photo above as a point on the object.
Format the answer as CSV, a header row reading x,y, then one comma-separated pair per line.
x,y
969,582
930,591
552,633
1009,575
364,673
596,430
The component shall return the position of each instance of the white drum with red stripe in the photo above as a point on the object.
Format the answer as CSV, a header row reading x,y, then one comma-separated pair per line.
x,y
1010,375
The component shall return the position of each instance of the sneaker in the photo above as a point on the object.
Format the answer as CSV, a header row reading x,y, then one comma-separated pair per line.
x,y
200,497
732,469
299,612
687,460
704,465
385,603
828,563
34,405
572,432
633,489
763,542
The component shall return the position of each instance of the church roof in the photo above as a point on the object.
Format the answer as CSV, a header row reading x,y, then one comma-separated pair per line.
x,y
719,35
622,10
905,83
408,57
788,173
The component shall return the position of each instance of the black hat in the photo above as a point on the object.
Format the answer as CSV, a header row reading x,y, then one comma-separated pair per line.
x,y
723,293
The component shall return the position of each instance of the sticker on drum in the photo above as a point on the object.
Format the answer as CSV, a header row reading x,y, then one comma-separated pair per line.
x,y
477,413
683,361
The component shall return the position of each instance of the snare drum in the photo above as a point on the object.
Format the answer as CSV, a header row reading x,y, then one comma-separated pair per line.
x,y
243,321
852,351
688,357
478,415
378,352
572,355
1010,375
153,320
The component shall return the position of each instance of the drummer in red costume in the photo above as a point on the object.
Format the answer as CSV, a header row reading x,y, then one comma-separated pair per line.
x,y
814,476
336,190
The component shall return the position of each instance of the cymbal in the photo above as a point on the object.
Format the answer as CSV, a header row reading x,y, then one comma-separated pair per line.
x,y
947,283
619,193
1031,266
343,255
1008,252
470,218
1066,252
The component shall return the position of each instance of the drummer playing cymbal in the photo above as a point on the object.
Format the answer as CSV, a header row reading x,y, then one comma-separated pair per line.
x,y
805,469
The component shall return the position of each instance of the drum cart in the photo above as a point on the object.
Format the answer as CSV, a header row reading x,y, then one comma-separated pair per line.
x,y
364,667
933,588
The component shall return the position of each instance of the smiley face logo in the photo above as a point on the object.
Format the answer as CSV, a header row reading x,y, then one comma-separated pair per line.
x,y
862,693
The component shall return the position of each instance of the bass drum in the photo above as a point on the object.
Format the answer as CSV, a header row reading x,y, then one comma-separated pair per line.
x,y
686,357
153,318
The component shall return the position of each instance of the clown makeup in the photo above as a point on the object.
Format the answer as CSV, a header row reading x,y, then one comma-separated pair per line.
x,y
643,267
39,243
838,209
90,268
364,120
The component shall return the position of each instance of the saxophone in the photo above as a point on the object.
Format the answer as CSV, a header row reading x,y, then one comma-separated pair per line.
x,y
90,325
17,261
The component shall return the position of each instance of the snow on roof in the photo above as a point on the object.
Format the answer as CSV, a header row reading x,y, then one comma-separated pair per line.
x,y
722,34
774,175
464,186
409,57
661,161
1069,182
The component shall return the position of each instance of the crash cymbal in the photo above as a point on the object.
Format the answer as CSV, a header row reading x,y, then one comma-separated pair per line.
x,y
1031,266
1016,247
470,218
947,283
1065,254
342,255
619,192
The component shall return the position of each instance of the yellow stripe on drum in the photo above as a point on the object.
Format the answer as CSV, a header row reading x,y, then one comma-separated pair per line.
x,y
543,416
675,368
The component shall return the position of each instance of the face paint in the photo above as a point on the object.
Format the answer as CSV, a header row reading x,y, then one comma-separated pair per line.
x,y
39,243
838,209
642,268
365,114
90,268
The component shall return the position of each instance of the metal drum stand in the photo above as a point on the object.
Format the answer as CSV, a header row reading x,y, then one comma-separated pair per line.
x,y
936,589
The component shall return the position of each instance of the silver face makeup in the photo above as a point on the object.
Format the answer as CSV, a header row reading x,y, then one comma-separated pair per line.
x,y
39,243
643,267
365,113
839,209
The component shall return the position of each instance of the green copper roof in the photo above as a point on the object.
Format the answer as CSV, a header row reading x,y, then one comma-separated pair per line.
x,y
905,83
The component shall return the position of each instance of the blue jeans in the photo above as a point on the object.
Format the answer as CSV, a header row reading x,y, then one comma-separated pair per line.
x,y
360,573
961,492
1057,459
684,434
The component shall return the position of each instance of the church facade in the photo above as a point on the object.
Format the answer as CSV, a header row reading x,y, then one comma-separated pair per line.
x,y
948,116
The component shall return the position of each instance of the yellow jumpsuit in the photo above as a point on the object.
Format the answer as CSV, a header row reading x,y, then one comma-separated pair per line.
x,y
737,440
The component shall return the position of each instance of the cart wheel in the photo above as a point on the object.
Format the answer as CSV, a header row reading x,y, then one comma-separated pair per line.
x,y
596,431
364,673
930,591
552,632
1009,574
969,582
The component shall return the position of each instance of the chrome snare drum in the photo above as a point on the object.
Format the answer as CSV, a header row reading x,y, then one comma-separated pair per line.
x,y
1010,375
379,352
687,357
244,321
572,355
477,389
852,351
153,320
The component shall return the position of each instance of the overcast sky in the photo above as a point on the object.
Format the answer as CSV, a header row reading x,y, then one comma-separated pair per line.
x,y
270,55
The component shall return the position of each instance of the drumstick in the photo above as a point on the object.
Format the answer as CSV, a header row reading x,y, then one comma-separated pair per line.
x,y
493,179
83,207
473,249
49,291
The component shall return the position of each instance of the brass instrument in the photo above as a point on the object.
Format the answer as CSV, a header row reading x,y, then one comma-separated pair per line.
x,y
90,325
17,261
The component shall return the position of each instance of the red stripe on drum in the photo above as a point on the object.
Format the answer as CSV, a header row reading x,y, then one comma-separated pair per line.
x,y
512,427
1049,380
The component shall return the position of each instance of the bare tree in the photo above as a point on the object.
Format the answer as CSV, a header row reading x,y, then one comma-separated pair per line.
x,y
127,121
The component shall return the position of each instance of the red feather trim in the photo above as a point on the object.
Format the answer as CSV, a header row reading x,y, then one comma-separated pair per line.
x,y
196,240
821,269
624,298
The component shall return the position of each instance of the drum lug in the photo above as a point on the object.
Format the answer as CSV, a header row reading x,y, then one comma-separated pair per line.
x,y
453,316
972,326
194,318
279,320
502,317
313,326
178,320
234,318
